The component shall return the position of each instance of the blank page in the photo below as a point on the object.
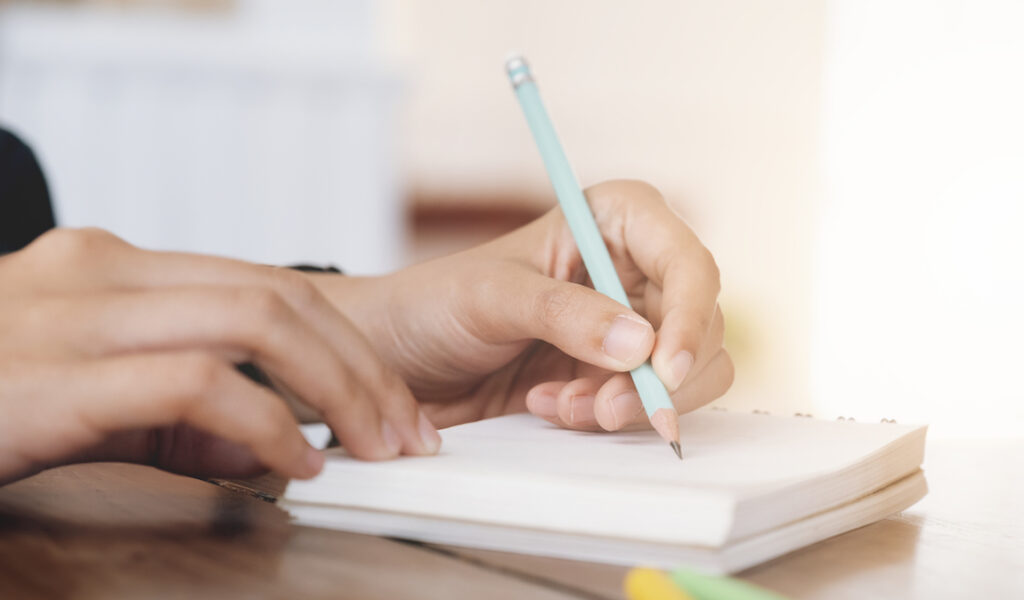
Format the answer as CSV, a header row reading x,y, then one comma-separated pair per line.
x,y
725,450
519,470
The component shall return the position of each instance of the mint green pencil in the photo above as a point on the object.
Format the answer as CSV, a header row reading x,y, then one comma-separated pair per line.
x,y
710,587
588,238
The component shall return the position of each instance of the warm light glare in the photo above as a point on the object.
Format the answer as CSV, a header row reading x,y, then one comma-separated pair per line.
x,y
919,285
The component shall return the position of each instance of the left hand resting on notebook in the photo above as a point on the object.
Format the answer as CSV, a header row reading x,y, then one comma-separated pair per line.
x,y
514,324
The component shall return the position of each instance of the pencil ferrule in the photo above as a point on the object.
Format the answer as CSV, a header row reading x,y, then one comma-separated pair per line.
x,y
519,79
518,71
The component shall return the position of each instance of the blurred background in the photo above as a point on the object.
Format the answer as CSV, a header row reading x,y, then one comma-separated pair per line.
x,y
856,166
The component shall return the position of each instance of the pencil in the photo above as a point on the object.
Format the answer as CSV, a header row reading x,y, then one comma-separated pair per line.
x,y
710,587
651,584
596,259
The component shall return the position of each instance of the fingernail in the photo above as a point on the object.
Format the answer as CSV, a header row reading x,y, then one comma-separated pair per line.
x,y
543,405
581,410
391,439
314,461
625,338
678,367
429,435
625,407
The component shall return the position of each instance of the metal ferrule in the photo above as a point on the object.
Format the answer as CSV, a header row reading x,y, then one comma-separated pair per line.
x,y
518,71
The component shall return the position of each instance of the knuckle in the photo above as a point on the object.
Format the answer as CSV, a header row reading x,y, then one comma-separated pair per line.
x,y
612,200
296,287
630,187
711,270
64,243
704,323
643,190
202,374
693,325
262,305
719,322
632,190
96,235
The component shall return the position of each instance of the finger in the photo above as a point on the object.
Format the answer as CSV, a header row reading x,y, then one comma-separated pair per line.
x,y
245,324
668,253
711,344
191,451
708,384
179,448
617,404
652,303
76,405
395,402
581,322
576,404
542,399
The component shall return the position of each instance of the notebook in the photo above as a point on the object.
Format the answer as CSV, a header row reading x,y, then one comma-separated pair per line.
x,y
750,487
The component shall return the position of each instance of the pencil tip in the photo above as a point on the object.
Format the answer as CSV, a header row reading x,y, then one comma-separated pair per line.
x,y
677,449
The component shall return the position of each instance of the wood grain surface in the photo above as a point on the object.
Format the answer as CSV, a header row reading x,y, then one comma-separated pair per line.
x,y
126,531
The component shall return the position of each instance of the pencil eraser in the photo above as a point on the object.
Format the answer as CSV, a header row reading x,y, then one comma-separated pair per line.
x,y
514,60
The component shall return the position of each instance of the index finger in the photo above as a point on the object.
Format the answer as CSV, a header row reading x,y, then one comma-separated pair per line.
x,y
667,251
70,406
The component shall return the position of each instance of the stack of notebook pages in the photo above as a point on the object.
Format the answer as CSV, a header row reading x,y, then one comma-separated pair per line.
x,y
749,488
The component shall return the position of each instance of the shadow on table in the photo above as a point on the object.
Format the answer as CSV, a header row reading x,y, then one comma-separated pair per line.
x,y
847,564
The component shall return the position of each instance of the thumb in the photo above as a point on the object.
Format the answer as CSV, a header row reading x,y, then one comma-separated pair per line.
x,y
581,322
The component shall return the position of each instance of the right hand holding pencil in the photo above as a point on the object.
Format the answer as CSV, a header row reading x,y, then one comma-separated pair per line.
x,y
515,325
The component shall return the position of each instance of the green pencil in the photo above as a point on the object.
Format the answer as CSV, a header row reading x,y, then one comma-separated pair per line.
x,y
588,238
707,587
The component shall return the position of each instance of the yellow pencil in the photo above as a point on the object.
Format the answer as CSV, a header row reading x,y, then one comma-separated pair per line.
x,y
652,584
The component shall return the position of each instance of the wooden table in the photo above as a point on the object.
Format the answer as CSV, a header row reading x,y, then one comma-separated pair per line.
x,y
118,531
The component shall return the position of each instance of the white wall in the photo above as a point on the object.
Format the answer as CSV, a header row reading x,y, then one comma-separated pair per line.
x,y
265,133
919,286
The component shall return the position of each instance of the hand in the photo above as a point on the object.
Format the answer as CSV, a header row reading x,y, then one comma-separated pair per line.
x,y
109,352
513,324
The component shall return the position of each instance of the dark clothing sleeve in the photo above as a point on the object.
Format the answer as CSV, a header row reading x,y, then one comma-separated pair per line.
x,y
25,210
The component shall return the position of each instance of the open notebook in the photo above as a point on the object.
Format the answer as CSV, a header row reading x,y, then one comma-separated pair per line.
x,y
750,487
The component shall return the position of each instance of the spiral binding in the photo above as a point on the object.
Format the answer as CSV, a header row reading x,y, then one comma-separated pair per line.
x,y
802,415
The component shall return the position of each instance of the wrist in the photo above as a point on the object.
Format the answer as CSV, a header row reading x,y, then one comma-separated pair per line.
x,y
362,300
